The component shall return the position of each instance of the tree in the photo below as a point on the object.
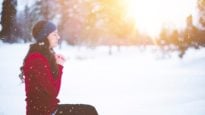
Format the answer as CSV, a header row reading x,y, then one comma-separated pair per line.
x,y
64,19
106,23
73,14
45,9
8,21
26,20
201,12
94,22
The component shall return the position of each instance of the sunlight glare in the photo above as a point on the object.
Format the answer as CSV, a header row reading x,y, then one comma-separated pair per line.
x,y
152,15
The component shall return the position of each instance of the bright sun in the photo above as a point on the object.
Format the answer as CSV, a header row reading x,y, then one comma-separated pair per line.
x,y
152,15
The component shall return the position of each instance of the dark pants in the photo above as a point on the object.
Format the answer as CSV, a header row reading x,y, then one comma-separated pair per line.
x,y
76,109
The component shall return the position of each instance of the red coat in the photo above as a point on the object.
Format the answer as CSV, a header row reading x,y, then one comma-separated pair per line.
x,y
41,87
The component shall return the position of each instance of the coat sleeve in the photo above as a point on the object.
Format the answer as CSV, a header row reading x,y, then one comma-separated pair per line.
x,y
40,70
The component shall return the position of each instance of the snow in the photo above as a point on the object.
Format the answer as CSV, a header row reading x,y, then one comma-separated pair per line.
x,y
131,81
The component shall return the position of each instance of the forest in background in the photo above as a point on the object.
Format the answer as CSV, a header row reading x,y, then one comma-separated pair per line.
x,y
96,22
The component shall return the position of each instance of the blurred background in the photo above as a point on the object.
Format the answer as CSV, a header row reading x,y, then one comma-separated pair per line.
x,y
168,24
125,57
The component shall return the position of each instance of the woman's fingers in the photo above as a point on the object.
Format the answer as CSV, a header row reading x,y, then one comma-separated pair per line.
x,y
59,56
60,59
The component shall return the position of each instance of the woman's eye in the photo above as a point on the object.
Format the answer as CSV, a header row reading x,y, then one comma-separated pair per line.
x,y
54,34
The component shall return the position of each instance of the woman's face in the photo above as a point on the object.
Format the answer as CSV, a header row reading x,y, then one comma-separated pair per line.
x,y
53,38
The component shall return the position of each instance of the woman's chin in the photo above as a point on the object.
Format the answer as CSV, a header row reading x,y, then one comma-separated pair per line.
x,y
55,45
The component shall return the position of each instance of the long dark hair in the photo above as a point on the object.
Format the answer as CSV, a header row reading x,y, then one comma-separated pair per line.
x,y
43,48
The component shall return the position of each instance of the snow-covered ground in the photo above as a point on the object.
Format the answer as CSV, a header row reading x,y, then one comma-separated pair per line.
x,y
131,81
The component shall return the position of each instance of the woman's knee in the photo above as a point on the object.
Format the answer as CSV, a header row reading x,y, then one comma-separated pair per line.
x,y
76,109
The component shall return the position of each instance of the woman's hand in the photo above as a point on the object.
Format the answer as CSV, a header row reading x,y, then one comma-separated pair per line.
x,y
60,59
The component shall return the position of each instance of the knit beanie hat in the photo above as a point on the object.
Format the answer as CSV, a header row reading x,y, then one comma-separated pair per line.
x,y
42,29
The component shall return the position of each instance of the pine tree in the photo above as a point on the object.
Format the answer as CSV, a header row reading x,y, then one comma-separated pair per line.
x,y
200,39
25,20
8,21
201,10
45,9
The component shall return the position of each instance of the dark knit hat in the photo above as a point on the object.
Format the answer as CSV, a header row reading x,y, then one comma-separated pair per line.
x,y
42,29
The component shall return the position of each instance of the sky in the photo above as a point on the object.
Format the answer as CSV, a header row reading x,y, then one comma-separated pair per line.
x,y
151,15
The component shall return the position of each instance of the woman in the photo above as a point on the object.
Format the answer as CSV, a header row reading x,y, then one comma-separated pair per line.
x,y
42,71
